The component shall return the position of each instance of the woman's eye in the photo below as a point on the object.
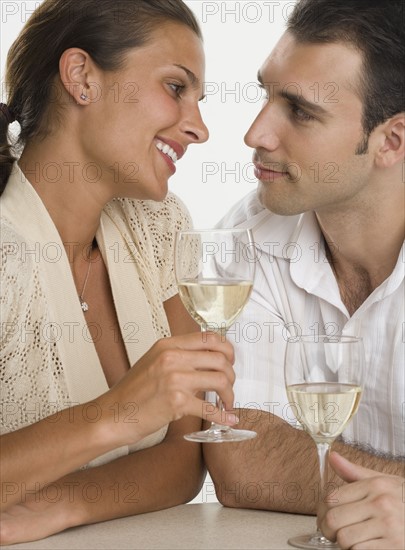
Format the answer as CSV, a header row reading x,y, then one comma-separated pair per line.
x,y
300,114
177,88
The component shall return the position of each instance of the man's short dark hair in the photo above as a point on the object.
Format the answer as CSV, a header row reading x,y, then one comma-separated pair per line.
x,y
376,29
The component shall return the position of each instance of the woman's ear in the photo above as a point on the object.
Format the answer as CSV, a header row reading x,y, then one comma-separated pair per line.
x,y
391,148
74,68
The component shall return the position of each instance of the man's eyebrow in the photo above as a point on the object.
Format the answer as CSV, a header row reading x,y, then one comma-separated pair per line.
x,y
297,99
302,102
194,80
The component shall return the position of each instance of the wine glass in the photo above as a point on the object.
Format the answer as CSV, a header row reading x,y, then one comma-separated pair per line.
x,y
323,377
214,272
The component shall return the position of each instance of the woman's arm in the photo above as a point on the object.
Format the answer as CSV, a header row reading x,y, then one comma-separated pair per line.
x,y
165,475
164,385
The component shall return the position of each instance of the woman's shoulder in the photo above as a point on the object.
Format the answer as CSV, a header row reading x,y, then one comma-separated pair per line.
x,y
18,272
20,258
17,252
166,214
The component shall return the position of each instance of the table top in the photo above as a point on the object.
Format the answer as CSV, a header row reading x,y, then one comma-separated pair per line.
x,y
196,526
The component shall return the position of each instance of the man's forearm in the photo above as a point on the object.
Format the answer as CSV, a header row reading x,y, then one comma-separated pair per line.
x,y
278,470
369,458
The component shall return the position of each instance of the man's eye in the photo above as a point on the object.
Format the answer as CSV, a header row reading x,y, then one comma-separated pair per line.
x,y
300,114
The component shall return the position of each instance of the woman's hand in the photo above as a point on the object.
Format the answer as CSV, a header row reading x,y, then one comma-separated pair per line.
x,y
163,386
35,518
368,513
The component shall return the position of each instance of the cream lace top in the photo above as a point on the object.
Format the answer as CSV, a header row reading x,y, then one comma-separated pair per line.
x,y
48,361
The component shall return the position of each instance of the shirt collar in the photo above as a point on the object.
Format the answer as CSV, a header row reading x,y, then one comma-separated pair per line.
x,y
299,240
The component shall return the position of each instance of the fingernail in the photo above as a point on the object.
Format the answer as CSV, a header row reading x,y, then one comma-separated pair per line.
x,y
232,419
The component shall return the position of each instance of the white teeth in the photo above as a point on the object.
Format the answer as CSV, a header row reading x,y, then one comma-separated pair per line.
x,y
167,150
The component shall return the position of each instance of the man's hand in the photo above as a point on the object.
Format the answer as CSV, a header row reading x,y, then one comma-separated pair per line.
x,y
368,513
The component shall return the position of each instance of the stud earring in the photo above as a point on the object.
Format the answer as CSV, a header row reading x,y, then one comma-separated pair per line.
x,y
84,97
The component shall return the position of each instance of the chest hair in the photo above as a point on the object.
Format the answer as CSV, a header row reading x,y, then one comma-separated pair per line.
x,y
355,289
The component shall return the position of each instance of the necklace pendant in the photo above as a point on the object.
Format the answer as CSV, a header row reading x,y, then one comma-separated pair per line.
x,y
84,305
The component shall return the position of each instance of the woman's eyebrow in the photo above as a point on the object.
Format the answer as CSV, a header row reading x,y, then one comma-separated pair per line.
x,y
194,80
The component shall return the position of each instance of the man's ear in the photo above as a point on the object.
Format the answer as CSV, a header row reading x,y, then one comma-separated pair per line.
x,y
391,142
74,68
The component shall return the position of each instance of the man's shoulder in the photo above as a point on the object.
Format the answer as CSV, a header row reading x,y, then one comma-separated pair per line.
x,y
243,211
250,213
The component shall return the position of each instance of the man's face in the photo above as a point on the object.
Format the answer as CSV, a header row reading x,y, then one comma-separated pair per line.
x,y
306,135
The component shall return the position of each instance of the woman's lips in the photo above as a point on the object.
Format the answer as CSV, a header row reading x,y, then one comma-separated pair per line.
x,y
170,150
168,161
176,146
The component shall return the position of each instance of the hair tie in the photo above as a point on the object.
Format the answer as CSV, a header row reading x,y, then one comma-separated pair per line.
x,y
7,113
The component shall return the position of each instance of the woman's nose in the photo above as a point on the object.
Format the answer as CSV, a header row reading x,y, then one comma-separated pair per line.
x,y
195,128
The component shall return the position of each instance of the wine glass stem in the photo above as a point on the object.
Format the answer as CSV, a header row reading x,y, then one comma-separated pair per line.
x,y
222,332
323,455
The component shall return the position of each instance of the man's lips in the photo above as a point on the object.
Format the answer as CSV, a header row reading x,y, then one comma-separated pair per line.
x,y
268,172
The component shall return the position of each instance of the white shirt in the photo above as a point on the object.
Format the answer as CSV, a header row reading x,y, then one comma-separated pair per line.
x,y
295,288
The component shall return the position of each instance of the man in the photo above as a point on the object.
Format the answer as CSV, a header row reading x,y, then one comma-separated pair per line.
x,y
328,220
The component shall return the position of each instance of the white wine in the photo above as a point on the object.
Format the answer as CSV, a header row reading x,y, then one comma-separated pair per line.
x,y
324,408
214,302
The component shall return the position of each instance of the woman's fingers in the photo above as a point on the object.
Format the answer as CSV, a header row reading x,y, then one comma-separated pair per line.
x,y
195,361
192,383
164,384
203,341
210,412
195,370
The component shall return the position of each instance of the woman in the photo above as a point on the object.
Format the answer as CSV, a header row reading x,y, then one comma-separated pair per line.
x,y
106,93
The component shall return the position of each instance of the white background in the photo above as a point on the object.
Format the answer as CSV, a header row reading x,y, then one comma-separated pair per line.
x,y
238,36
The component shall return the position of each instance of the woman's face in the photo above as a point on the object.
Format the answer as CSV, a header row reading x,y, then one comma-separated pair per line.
x,y
143,117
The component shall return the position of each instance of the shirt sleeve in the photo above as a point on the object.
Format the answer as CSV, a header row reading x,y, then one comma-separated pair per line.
x,y
164,220
15,279
260,336
18,345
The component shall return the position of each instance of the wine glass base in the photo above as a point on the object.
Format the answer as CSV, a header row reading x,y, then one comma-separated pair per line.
x,y
220,435
312,541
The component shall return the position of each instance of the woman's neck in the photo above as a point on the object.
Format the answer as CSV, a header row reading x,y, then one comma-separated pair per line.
x,y
73,200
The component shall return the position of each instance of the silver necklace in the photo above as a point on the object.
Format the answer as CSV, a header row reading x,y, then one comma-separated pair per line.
x,y
84,305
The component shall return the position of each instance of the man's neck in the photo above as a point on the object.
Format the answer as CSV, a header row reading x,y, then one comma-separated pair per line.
x,y
363,249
